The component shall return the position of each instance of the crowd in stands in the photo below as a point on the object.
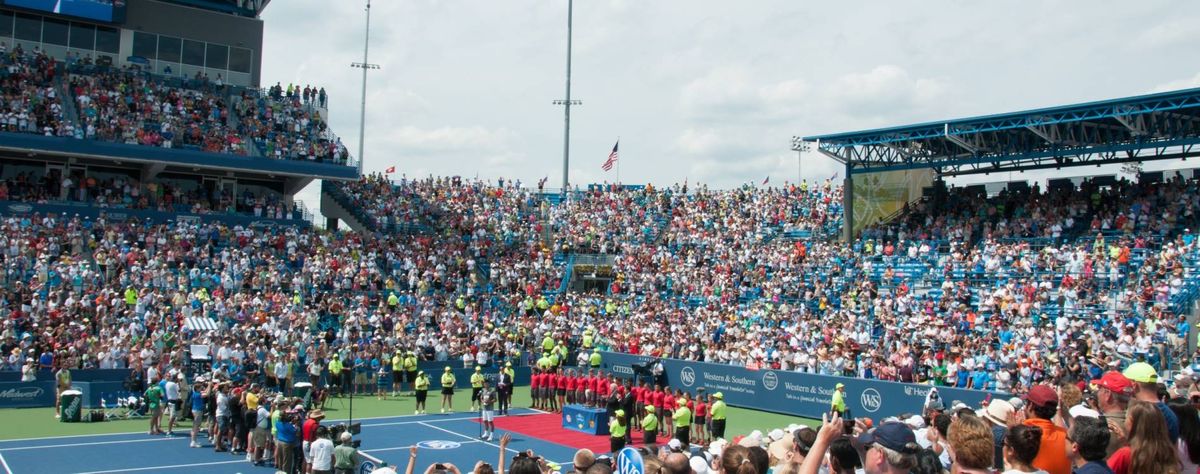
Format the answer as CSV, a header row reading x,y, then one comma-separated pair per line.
x,y
29,102
964,299
289,125
127,193
128,105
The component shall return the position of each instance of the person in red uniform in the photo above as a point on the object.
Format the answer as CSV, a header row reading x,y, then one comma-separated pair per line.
x,y
572,385
639,400
535,381
596,399
589,392
700,414
656,400
666,407
562,384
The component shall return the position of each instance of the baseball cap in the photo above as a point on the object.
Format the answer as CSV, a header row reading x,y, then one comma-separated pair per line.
x,y
1141,372
1114,381
1080,411
718,395
839,385
1041,395
893,435
674,444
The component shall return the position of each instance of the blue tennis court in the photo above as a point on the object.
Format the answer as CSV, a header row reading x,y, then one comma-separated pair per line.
x,y
450,438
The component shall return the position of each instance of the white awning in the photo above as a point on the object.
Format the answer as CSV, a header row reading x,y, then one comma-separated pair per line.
x,y
199,324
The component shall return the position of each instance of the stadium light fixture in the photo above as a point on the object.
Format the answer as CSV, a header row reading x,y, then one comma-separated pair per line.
x,y
799,146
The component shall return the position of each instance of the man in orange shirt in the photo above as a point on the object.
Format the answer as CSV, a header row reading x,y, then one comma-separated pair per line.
x,y
1041,405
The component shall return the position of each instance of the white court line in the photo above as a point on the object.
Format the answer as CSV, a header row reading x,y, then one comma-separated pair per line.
x,y
472,438
173,466
5,464
397,448
17,440
25,448
50,446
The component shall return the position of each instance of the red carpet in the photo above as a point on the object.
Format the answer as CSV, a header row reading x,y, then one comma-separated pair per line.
x,y
549,428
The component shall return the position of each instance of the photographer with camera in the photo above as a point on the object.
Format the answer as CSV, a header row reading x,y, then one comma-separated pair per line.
x,y
345,455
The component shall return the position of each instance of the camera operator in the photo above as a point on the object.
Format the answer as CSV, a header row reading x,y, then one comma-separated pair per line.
x,y
287,436
345,455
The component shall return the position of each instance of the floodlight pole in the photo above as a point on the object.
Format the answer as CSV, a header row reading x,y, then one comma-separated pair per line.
x,y
799,146
567,103
362,117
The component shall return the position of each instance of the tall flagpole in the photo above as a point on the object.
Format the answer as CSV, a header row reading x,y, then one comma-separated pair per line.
x,y
567,103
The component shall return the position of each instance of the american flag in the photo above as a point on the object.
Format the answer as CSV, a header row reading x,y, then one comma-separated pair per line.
x,y
612,158
767,180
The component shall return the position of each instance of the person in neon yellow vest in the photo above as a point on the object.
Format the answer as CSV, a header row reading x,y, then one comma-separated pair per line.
x,y
448,382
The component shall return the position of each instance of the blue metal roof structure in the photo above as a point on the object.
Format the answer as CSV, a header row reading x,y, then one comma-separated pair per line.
x,y
1149,127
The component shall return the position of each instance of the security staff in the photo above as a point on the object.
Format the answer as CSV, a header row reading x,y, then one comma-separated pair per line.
x,y
335,374
476,387
683,422
649,427
448,382
595,360
588,339
838,402
616,431
410,368
421,390
718,416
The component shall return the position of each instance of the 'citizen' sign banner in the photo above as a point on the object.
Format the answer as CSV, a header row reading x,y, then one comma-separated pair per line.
x,y
796,393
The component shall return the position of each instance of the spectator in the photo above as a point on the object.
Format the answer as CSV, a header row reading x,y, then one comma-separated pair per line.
x,y
321,452
1150,449
1087,443
1041,407
1146,379
970,443
1113,391
997,414
1021,446
1189,433
889,448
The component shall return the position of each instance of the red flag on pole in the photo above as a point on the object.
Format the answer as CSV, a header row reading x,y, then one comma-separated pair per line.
x,y
390,170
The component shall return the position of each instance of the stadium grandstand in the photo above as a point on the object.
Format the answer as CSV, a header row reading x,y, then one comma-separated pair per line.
x,y
159,276
154,110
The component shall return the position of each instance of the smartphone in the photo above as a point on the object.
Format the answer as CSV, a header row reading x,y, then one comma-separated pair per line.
x,y
439,466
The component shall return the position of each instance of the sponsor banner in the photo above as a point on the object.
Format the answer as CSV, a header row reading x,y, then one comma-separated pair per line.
x,y
795,393
27,394
629,461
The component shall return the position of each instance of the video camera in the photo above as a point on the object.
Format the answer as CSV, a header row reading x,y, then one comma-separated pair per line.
x,y
335,432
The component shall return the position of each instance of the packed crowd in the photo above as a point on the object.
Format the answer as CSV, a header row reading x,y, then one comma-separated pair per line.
x,y
128,193
29,101
128,105
131,107
710,270
289,125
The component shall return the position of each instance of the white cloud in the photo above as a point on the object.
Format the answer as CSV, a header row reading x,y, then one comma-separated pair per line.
x,y
705,89
882,90
1185,83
